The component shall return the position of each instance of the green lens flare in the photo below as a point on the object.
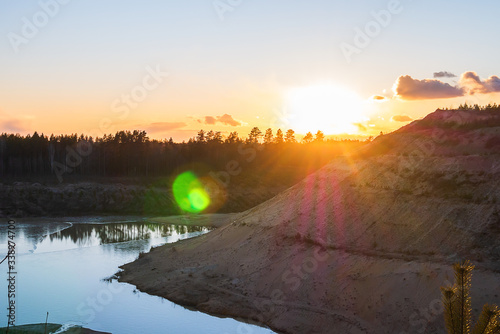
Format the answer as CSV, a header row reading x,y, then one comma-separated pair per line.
x,y
189,193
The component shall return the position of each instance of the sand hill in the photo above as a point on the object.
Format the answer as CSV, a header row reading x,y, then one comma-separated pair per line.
x,y
360,246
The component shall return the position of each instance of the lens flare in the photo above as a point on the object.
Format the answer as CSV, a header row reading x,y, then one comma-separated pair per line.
x,y
189,193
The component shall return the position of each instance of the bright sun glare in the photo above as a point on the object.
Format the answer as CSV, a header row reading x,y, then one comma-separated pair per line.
x,y
329,108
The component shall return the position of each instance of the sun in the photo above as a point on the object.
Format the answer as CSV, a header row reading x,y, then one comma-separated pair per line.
x,y
329,108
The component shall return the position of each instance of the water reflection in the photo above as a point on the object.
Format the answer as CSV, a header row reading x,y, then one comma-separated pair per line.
x,y
85,235
49,237
61,269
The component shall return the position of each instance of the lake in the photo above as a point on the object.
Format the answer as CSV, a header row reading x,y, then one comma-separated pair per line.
x,y
63,268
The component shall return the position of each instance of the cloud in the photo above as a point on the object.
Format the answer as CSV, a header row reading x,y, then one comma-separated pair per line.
x,y
210,120
13,125
361,127
164,126
401,118
444,74
407,88
379,98
224,119
473,84
228,120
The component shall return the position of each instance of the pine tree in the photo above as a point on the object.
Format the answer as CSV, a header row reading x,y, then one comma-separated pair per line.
x,y
488,320
279,137
209,136
201,136
290,136
268,137
457,306
307,138
233,138
320,137
254,135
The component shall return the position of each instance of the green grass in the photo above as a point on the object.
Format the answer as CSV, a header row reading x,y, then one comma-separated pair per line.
x,y
31,329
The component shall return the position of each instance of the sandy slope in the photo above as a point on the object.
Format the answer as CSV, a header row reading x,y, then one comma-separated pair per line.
x,y
361,246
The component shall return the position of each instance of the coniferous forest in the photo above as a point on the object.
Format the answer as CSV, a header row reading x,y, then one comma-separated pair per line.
x,y
129,173
133,154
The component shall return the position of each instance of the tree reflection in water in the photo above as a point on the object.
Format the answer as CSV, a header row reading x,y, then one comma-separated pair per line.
x,y
85,234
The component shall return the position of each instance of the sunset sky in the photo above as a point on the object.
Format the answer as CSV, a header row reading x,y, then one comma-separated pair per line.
x,y
174,67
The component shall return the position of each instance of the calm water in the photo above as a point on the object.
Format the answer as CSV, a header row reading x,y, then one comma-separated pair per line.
x,y
62,269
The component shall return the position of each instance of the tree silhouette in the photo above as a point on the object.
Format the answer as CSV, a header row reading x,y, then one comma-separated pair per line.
x,y
308,138
268,137
209,136
200,138
290,136
320,137
134,154
254,135
233,138
279,137
215,138
457,306
476,107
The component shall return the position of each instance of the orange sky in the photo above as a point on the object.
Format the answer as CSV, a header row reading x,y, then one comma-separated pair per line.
x,y
175,68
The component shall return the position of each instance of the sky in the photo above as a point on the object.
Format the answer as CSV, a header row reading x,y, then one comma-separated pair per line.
x,y
345,67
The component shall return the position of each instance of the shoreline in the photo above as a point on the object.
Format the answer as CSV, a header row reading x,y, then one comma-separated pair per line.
x,y
195,294
202,220
187,274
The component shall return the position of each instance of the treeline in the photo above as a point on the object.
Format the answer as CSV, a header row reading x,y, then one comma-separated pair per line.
x,y
134,154
488,116
476,107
